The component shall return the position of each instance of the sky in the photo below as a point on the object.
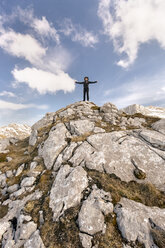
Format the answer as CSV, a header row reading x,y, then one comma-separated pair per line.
x,y
45,46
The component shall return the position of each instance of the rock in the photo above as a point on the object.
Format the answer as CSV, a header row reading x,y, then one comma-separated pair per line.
x,y
4,143
119,148
13,188
28,181
91,218
46,120
86,240
2,180
9,173
109,108
154,138
33,137
159,126
34,241
33,165
19,170
54,144
148,111
134,221
80,127
24,231
17,193
99,130
67,189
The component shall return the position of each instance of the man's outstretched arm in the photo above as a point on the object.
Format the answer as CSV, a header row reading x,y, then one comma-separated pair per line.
x,y
79,82
92,82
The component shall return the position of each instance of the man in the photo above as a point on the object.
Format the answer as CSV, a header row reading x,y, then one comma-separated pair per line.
x,y
86,87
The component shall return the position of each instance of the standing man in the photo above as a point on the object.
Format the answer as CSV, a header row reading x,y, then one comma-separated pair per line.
x,y
86,87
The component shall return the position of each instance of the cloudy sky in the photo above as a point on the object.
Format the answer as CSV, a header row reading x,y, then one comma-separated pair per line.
x,y
45,46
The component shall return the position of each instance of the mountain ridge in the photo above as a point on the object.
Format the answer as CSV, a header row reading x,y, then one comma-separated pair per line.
x,y
77,180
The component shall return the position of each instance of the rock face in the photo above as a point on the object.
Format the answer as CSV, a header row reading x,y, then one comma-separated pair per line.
x,y
87,177
149,111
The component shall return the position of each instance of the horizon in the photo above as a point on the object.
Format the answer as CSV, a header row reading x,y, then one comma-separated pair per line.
x,y
46,47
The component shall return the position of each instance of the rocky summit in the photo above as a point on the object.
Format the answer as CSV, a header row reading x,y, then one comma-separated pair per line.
x,y
87,177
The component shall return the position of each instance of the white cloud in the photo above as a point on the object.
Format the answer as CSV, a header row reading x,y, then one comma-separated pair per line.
x,y
145,91
42,26
7,93
15,106
132,23
48,64
22,45
44,81
79,34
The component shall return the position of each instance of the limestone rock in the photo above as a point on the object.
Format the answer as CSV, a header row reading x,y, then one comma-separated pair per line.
x,y
28,181
149,111
19,170
119,148
91,218
67,189
85,240
33,137
54,144
34,241
135,221
80,127
159,126
154,138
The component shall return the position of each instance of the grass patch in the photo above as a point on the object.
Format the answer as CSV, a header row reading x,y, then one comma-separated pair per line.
x,y
3,211
3,157
144,193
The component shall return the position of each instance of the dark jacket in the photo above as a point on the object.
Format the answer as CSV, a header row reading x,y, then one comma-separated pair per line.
x,y
86,84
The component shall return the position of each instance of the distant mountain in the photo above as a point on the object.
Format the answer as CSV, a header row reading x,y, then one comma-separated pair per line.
x,y
19,131
149,110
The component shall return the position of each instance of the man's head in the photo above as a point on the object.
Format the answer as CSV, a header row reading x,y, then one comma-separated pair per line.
x,y
86,78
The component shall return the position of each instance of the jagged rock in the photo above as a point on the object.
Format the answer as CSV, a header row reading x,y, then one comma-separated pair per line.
x,y
14,209
54,144
28,181
13,188
2,180
159,126
49,118
154,138
9,173
79,149
86,240
91,218
18,131
34,241
4,143
135,221
80,127
33,165
33,137
19,170
119,148
149,111
67,189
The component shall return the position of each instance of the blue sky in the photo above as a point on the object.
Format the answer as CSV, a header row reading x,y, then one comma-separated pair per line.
x,y
45,46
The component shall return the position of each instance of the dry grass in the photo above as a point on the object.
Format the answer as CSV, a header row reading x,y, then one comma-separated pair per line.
x,y
145,193
158,237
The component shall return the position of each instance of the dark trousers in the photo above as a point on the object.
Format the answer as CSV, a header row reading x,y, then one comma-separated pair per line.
x,y
86,92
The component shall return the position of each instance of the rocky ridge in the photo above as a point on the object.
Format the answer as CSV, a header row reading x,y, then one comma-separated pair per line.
x,y
149,110
87,176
